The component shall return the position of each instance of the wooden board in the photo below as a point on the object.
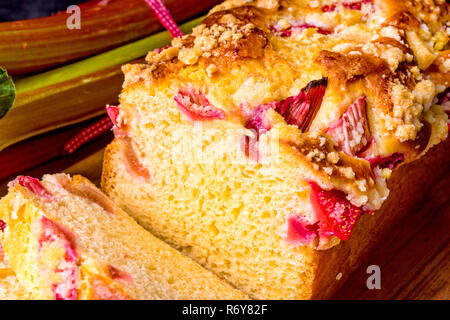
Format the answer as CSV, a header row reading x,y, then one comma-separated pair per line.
x,y
414,257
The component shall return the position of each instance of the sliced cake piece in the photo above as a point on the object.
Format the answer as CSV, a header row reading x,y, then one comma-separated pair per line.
x,y
270,134
10,288
64,239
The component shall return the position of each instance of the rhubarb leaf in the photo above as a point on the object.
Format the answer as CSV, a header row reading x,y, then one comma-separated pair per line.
x,y
7,92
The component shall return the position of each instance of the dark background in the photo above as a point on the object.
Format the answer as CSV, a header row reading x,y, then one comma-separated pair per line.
x,y
26,9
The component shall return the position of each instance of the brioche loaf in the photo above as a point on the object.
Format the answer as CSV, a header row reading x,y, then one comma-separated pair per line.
x,y
259,140
64,239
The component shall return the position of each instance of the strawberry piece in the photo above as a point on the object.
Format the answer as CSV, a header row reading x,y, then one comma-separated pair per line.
x,y
300,232
337,216
2,225
66,289
196,106
390,162
351,132
32,184
301,109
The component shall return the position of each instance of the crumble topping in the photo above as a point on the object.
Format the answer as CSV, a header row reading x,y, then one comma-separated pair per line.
x,y
362,185
333,157
391,54
347,172
392,32
211,69
226,33
408,107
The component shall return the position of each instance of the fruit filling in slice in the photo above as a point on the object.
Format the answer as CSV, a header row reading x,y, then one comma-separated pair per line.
x,y
301,109
84,190
298,26
390,162
113,114
117,274
351,132
352,5
56,248
104,291
297,110
336,215
256,118
333,215
131,160
300,232
32,184
196,106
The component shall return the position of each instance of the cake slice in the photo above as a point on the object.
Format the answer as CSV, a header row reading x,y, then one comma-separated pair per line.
x,y
261,144
10,288
64,239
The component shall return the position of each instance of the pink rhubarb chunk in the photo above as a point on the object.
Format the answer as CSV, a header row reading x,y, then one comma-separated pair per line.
x,y
196,106
131,160
351,132
88,192
66,289
2,254
34,185
300,232
390,162
113,113
255,120
337,216
297,110
301,109
2,225
118,274
300,26
103,292
357,5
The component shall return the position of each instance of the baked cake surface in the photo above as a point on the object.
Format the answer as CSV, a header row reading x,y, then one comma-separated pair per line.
x,y
265,135
62,238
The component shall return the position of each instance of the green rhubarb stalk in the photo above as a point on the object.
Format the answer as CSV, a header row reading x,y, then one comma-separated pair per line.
x,y
75,92
102,61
